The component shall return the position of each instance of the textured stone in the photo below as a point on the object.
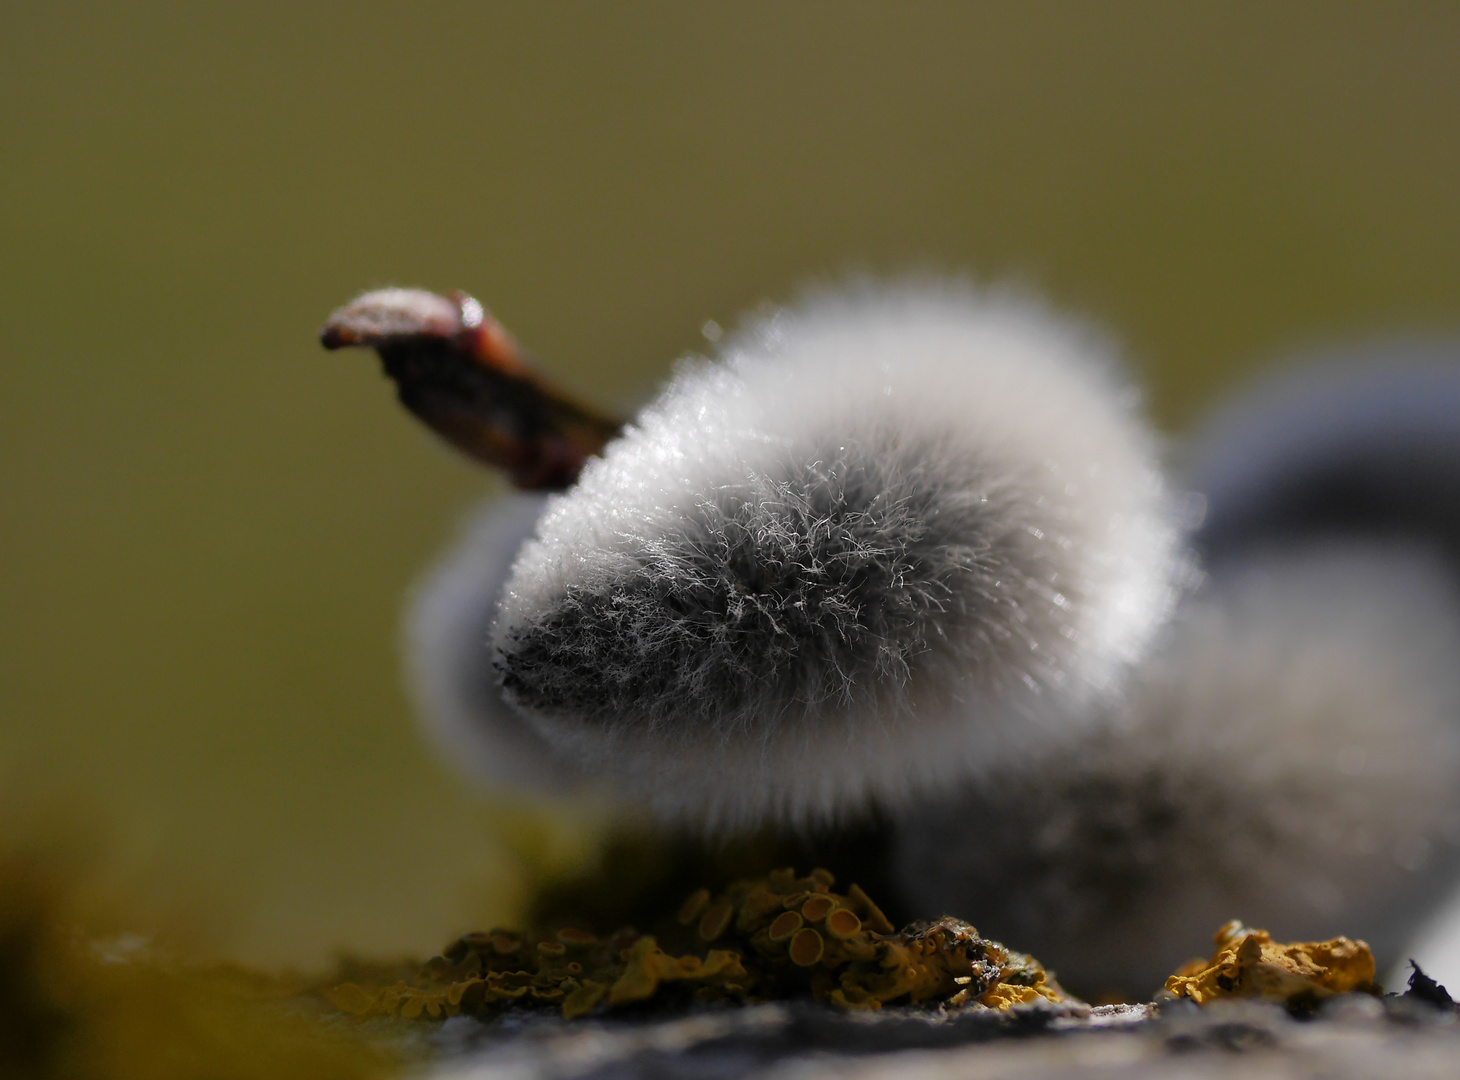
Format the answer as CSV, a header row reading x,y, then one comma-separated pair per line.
x,y
1353,1036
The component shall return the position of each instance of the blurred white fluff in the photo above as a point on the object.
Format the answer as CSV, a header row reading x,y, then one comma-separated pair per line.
x,y
447,629
889,540
1291,757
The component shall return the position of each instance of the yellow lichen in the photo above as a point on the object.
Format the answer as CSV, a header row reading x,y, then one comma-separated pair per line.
x,y
1248,963
647,966
583,1000
785,924
817,908
783,936
806,948
716,920
694,907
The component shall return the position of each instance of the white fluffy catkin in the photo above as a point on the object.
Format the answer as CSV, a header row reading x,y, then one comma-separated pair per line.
x,y
1290,757
889,539
1359,441
449,661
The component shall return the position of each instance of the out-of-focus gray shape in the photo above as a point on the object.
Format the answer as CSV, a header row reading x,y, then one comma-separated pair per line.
x,y
1362,441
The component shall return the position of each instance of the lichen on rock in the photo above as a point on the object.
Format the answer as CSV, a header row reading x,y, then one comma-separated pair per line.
x,y
773,938
1248,963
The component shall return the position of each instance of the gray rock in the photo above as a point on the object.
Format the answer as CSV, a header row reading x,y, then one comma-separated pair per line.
x,y
1350,1038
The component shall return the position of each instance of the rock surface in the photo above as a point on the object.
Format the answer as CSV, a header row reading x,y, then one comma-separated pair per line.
x,y
1352,1036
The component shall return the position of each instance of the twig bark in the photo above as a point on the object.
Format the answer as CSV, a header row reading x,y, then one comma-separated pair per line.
x,y
458,370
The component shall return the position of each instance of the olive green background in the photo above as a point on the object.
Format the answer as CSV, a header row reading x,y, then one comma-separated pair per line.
x,y
209,523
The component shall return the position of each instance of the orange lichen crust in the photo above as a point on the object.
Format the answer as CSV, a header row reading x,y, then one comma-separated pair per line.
x,y
775,938
1248,964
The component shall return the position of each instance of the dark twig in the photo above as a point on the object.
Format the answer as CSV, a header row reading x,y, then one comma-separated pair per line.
x,y
458,370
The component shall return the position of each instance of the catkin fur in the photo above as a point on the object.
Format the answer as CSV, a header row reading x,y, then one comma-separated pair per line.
x,y
1358,442
1291,756
447,630
886,540
910,546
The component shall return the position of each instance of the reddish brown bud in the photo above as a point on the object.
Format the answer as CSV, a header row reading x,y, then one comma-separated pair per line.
x,y
457,369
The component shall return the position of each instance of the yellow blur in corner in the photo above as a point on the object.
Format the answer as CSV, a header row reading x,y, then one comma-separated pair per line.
x,y
114,1007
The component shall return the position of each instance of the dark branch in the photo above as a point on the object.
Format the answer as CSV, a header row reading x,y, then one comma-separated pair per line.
x,y
458,370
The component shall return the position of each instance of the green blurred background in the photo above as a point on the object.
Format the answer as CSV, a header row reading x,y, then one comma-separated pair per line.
x,y
209,523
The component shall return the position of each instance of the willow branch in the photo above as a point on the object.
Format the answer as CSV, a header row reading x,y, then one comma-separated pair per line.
x,y
459,371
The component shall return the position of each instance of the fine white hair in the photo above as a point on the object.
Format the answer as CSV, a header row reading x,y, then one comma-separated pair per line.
x,y
889,539
1291,756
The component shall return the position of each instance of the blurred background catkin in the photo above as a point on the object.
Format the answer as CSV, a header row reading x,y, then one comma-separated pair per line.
x,y
210,524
